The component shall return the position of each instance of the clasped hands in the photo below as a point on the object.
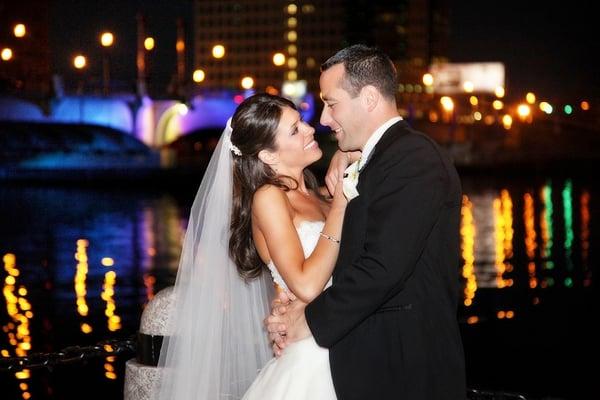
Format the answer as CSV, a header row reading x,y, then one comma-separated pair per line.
x,y
286,323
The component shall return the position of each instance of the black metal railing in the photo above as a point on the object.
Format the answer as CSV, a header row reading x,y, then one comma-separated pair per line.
x,y
69,355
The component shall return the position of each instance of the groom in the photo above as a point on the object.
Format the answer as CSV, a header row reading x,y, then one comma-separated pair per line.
x,y
389,320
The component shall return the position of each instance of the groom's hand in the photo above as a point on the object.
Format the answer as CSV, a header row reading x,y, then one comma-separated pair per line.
x,y
287,324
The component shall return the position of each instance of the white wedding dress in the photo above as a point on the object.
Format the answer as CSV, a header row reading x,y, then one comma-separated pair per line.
x,y
302,371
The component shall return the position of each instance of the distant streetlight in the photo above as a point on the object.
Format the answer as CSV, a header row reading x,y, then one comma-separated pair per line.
x,y
447,103
530,97
218,51
198,75
247,82
278,59
79,61
6,54
149,43
524,111
107,39
427,79
20,30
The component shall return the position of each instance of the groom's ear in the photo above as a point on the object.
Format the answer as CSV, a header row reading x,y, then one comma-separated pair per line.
x,y
268,157
370,97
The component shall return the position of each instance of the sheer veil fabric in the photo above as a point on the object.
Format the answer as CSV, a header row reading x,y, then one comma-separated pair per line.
x,y
217,342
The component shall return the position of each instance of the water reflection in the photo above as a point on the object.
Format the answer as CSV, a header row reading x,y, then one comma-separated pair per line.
x,y
20,312
89,269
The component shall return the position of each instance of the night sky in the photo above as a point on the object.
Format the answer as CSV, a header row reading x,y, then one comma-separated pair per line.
x,y
546,48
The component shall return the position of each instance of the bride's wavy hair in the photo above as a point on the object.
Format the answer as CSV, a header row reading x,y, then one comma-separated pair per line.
x,y
254,126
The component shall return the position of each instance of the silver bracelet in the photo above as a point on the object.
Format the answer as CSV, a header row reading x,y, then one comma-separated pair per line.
x,y
326,236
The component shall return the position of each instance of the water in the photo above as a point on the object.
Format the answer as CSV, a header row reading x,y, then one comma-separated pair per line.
x,y
80,263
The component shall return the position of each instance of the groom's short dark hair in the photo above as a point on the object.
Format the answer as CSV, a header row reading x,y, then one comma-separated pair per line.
x,y
365,65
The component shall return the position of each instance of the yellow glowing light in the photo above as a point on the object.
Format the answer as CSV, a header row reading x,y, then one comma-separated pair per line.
x,y
278,59
523,110
477,116
107,262
292,22
447,103
6,54
530,98
468,86
19,30
585,106
498,105
310,62
218,51
473,100
149,43
428,79
499,91
79,61
292,9
507,121
198,75
23,374
26,395
247,82
546,107
107,39
292,49
292,75
292,36
292,63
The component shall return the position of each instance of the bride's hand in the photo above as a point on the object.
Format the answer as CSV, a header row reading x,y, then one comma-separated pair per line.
x,y
274,322
338,164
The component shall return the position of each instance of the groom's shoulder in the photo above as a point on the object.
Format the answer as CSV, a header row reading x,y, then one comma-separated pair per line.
x,y
406,138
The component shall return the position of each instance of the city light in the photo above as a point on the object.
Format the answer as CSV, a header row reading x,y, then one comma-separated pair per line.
x,y
292,22
292,75
498,105
468,86
473,100
79,61
292,9
19,30
507,121
523,110
149,43
292,49
546,107
585,106
499,91
447,103
292,63
198,75
247,82
530,97
568,109
292,36
218,51
278,59
6,54
107,39
428,79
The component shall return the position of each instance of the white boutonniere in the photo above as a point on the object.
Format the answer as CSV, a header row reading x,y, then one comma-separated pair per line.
x,y
351,180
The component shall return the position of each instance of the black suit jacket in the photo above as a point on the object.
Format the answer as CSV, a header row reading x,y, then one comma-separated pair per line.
x,y
389,320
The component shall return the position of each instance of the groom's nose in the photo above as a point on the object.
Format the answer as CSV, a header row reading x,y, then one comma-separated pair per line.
x,y
325,116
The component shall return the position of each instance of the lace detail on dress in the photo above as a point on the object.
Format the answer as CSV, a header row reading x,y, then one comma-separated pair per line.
x,y
308,232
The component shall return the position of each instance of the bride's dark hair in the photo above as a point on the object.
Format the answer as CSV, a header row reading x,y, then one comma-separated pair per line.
x,y
254,125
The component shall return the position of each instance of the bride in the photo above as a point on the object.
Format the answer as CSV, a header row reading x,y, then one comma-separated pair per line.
x,y
258,209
